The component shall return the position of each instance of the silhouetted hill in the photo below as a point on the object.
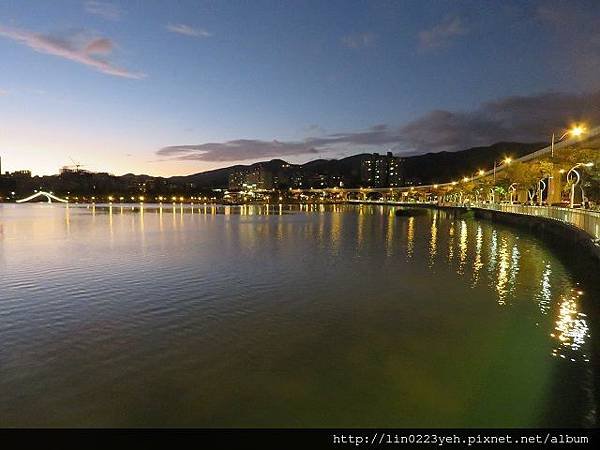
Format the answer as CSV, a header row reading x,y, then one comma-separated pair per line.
x,y
429,168
420,169
442,167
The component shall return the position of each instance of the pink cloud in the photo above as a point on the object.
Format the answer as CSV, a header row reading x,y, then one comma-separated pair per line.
x,y
82,51
100,46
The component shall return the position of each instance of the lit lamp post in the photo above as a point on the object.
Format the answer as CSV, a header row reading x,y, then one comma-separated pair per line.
x,y
505,161
575,131
574,173
476,175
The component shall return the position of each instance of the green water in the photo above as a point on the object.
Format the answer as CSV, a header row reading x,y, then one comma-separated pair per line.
x,y
293,316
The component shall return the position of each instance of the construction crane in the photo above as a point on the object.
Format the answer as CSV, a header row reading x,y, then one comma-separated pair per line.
x,y
76,164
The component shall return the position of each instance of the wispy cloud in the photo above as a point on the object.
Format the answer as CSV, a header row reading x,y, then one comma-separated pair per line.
x,y
105,10
187,30
442,34
89,51
359,40
516,118
238,150
3,92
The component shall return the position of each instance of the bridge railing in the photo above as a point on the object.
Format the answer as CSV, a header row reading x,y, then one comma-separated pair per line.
x,y
587,220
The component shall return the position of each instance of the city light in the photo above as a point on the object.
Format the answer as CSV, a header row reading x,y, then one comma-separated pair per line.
x,y
507,160
481,172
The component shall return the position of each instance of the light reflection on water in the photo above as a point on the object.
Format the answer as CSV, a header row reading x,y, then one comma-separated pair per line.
x,y
571,330
306,315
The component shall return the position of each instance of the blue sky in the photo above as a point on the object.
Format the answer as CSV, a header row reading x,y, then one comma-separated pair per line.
x,y
170,88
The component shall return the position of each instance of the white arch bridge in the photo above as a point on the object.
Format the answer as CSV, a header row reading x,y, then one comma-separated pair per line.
x,y
48,195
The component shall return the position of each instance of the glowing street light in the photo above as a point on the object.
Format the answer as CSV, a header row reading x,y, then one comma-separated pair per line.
x,y
575,131
506,161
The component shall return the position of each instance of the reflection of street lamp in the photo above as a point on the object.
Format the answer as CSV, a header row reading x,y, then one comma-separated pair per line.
x,y
578,179
575,131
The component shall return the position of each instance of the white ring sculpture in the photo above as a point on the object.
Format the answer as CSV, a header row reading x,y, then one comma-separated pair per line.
x,y
48,195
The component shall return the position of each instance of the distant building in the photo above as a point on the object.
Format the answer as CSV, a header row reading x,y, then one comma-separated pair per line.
x,y
381,171
250,178
20,174
68,170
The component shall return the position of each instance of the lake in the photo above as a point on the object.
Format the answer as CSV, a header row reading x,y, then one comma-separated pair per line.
x,y
294,316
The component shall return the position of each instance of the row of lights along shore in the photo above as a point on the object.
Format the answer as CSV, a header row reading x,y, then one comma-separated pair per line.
x,y
575,131
142,199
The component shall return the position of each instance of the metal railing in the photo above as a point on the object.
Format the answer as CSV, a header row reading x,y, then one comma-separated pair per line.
x,y
588,221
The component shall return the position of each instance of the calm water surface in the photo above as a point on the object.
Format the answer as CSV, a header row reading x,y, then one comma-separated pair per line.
x,y
305,316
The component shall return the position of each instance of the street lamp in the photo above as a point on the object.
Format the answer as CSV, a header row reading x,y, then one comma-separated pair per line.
x,y
575,131
574,171
506,160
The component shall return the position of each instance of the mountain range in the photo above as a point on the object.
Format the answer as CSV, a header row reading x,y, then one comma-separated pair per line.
x,y
428,168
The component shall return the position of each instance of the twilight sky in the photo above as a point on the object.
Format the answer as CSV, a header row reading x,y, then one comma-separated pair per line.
x,y
178,87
